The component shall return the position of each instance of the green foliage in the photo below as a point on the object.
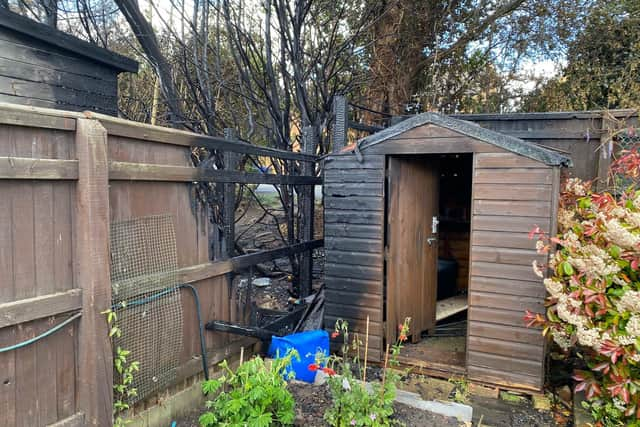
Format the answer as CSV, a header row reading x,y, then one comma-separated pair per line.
x,y
124,372
461,392
603,62
356,402
593,307
255,395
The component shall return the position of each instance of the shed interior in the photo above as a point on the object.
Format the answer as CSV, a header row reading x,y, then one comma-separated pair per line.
x,y
445,343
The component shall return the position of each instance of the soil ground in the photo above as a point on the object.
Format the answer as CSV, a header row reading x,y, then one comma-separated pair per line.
x,y
257,231
488,411
313,401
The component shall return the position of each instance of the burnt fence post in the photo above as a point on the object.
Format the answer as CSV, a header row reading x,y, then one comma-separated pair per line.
x,y
231,161
340,123
309,145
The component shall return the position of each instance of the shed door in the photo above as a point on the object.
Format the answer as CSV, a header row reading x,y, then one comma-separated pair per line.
x,y
412,248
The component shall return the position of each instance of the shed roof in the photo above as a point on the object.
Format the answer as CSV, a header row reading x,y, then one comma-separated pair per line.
x,y
57,38
509,143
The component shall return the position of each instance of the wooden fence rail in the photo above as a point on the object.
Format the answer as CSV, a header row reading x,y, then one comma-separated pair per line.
x,y
64,177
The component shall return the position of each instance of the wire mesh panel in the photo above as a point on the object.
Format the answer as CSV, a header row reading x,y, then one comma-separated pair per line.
x,y
626,140
144,282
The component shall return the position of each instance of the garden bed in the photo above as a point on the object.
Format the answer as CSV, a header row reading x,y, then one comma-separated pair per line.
x,y
312,402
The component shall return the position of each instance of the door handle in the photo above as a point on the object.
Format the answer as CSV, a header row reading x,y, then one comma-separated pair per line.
x,y
431,240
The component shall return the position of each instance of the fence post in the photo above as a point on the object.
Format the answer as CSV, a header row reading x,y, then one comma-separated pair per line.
x,y
229,210
604,155
340,123
309,144
94,382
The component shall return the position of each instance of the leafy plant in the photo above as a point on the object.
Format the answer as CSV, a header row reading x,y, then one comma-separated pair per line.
x,y
255,395
124,370
356,402
461,390
593,307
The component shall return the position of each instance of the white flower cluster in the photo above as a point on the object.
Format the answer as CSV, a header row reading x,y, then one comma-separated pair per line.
x,y
562,339
630,302
589,337
633,218
565,218
594,261
537,269
571,240
633,326
554,288
566,307
619,235
576,186
635,357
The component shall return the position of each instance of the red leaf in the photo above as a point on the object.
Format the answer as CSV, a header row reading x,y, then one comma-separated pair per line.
x,y
535,230
590,392
604,366
587,308
581,386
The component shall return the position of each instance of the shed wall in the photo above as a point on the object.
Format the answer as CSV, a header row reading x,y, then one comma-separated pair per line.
x,y
353,237
510,195
35,73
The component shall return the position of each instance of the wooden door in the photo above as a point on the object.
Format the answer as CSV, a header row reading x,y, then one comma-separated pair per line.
x,y
411,245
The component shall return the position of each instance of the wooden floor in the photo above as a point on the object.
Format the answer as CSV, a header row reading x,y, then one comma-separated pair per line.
x,y
450,306
439,356
444,355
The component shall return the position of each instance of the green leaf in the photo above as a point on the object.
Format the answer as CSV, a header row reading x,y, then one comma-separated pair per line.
x,y
615,251
567,269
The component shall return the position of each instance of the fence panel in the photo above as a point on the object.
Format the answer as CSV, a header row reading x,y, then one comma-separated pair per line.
x,y
64,178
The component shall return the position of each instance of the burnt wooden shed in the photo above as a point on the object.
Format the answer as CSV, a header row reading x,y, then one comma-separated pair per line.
x,y
429,219
41,66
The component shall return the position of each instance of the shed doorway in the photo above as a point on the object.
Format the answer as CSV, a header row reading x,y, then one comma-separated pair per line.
x,y
427,241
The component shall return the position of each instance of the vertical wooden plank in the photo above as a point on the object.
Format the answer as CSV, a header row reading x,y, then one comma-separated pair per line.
x,y
229,209
309,143
95,372
62,235
26,379
6,242
8,377
66,372
604,156
45,283
23,240
7,335
340,122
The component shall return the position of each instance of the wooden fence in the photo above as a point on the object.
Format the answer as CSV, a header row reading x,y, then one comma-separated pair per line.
x,y
63,178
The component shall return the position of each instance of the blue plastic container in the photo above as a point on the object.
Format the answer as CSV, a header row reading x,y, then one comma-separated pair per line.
x,y
308,344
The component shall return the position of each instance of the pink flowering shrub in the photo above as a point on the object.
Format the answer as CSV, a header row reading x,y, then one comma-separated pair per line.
x,y
593,285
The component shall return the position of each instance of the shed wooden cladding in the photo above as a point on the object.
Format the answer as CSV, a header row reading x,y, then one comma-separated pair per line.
x,y
44,67
513,187
58,196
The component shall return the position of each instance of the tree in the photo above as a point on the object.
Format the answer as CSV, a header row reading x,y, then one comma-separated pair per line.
x,y
419,50
603,64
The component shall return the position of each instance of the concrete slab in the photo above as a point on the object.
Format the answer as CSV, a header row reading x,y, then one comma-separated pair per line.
x,y
460,411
